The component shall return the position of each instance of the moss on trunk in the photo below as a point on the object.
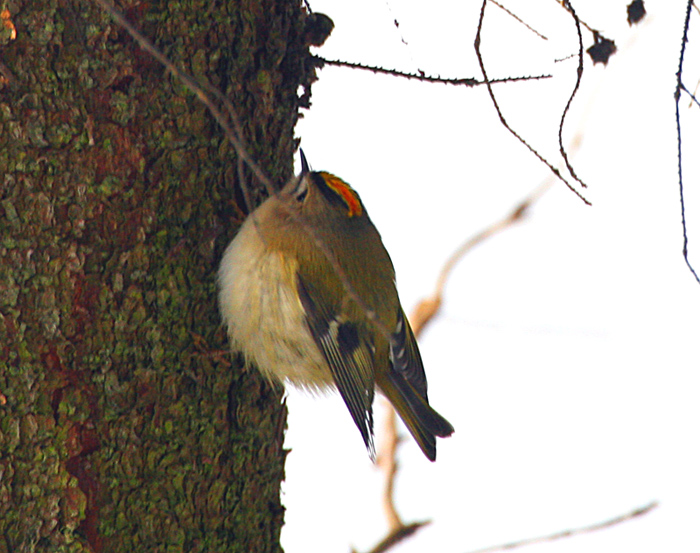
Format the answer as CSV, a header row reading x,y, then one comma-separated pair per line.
x,y
124,423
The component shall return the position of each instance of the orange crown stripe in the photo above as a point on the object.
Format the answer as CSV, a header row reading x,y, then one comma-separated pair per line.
x,y
344,191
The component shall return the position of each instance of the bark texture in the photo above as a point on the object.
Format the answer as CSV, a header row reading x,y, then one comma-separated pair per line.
x,y
124,423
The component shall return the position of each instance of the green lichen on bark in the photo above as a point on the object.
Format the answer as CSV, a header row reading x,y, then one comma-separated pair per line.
x,y
124,424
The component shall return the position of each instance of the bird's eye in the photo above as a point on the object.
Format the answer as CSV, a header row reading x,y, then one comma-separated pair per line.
x,y
302,190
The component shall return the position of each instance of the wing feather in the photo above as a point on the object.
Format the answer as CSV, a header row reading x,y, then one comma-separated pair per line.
x,y
349,358
405,357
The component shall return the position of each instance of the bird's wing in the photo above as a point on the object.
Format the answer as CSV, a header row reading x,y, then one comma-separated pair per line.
x,y
405,357
407,379
349,356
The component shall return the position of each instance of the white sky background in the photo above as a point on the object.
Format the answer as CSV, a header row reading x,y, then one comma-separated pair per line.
x,y
566,354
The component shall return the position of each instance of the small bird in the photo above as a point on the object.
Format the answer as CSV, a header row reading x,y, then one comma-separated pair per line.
x,y
291,313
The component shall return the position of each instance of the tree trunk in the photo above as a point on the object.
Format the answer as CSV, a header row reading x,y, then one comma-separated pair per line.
x,y
124,423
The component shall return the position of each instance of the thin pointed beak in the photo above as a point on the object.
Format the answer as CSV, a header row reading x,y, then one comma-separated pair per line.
x,y
304,164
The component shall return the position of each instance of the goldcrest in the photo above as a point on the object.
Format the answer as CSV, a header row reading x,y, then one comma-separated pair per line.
x,y
289,311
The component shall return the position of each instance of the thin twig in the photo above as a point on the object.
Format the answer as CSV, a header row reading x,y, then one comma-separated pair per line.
x,y
573,531
518,19
567,6
235,134
579,76
387,463
428,307
692,96
465,81
559,60
554,170
247,199
397,536
518,213
235,137
677,95
422,314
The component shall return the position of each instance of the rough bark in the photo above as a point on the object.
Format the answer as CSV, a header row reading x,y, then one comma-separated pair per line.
x,y
124,423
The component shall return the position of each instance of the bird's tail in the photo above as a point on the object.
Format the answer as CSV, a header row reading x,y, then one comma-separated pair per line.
x,y
422,420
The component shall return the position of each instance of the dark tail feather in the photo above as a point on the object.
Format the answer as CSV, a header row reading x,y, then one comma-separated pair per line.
x,y
422,421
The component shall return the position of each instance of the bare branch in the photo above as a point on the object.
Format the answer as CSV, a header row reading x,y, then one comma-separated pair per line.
x,y
428,307
554,170
573,531
387,463
423,313
235,136
579,76
518,19
677,95
602,47
516,215
231,125
693,99
397,536
567,6
466,81
559,60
